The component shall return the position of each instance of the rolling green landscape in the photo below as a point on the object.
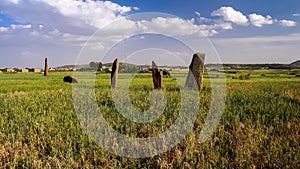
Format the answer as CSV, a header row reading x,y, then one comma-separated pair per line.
x,y
259,127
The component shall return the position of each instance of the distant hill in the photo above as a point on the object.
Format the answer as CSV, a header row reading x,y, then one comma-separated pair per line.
x,y
73,66
127,67
252,66
296,63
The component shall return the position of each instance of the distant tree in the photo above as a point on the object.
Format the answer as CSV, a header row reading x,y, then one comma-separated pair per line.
x,y
92,64
95,65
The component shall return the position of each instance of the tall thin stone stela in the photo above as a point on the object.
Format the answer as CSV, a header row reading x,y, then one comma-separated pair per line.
x,y
114,74
196,71
46,67
156,76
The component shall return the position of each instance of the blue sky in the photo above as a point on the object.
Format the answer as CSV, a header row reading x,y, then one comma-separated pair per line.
x,y
238,31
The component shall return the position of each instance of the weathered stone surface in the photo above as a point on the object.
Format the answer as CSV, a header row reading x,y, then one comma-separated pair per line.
x,y
70,79
156,76
46,68
196,71
114,74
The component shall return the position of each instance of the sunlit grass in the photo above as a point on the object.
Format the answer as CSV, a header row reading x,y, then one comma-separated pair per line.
x,y
259,127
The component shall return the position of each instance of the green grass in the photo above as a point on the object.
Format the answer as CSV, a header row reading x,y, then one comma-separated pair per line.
x,y
259,127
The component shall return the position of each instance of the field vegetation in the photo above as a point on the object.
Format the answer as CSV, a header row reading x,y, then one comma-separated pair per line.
x,y
259,128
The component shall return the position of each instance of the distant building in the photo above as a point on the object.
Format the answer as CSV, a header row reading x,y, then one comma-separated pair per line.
x,y
62,69
24,70
9,70
35,70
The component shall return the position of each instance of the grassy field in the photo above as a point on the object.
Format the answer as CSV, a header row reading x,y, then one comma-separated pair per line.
x,y
259,127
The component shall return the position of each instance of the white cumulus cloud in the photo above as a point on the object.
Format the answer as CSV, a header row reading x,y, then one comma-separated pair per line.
x,y
177,26
68,16
13,26
223,25
231,15
95,13
259,20
287,23
14,1
296,14
3,29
